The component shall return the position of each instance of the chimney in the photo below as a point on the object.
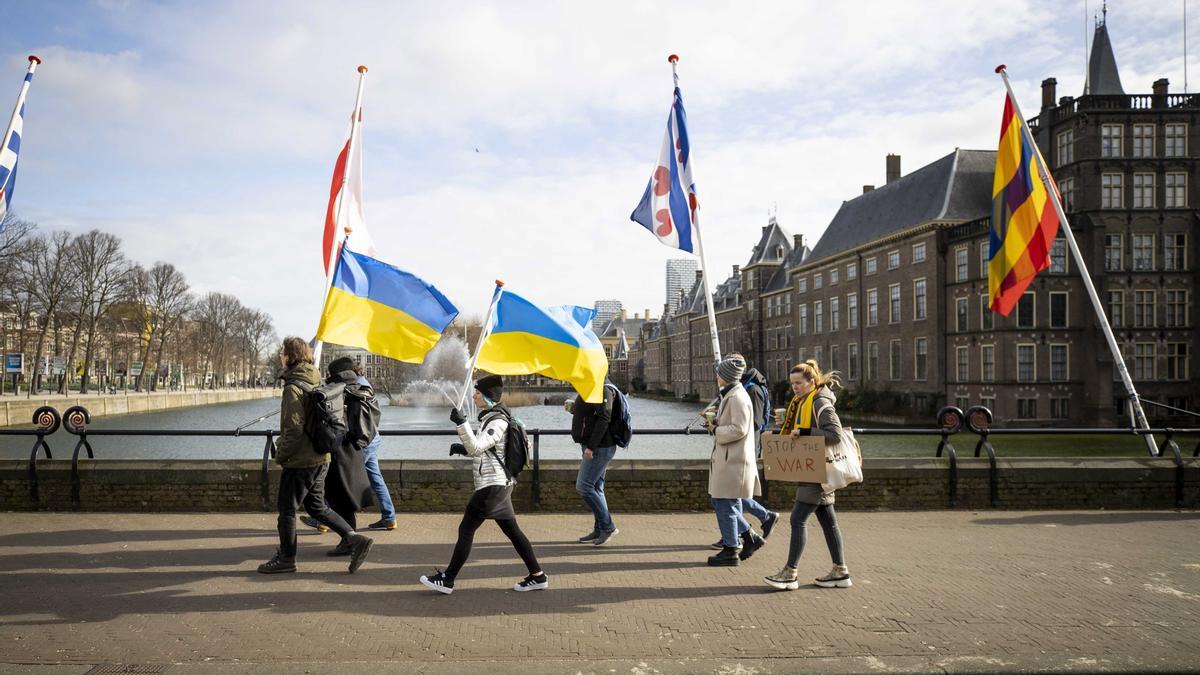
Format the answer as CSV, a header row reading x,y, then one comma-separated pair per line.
x,y
1049,87
647,314
798,241
1160,92
624,314
893,167
736,269
699,275
868,188
636,316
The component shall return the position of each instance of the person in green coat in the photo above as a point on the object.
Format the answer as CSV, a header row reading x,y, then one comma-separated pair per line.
x,y
304,468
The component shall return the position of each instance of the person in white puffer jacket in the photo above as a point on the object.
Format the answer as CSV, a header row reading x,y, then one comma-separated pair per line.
x,y
492,499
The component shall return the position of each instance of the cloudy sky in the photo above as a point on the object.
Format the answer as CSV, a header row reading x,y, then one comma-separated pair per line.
x,y
511,140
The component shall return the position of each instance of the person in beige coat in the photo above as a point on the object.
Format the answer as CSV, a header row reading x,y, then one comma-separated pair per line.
x,y
733,470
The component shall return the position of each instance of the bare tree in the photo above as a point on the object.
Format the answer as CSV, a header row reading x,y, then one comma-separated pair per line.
x,y
103,280
216,314
50,279
171,299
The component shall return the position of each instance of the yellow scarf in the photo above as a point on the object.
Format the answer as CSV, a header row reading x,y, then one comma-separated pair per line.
x,y
799,414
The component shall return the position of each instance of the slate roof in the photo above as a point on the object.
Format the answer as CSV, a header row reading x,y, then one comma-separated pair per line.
x,y
728,293
1102,78
773,245
781,279
957,187
614,326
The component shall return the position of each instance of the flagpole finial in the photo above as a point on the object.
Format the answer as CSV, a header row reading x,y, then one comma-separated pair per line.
x,y
348,230
1001,68
362,69
499,283
33,58
673,59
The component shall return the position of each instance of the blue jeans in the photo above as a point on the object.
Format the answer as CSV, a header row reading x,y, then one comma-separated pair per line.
x,y
387,510
730,520
590,485
755,509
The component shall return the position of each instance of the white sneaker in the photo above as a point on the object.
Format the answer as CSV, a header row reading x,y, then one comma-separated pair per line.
x,y
785,580
838,577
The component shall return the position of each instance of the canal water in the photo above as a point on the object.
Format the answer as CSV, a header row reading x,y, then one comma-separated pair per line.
x,y
646,413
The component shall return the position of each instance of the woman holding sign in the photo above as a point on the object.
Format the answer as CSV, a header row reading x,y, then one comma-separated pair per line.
x,y
811,409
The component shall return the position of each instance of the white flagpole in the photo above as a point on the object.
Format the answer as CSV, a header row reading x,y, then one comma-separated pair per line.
x,y
695,212
483,333
1135,403
339,218
12,121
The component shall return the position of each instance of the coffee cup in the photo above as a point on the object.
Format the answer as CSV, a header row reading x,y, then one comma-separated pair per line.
x,y
710,416
779,413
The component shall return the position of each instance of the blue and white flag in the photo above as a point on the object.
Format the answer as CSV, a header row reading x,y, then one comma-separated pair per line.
x,y
10,145
668,207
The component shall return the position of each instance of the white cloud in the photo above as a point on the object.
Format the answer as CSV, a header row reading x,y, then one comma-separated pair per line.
x,y
205,133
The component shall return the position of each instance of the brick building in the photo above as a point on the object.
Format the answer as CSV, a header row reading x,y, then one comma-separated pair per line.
x,y
894,294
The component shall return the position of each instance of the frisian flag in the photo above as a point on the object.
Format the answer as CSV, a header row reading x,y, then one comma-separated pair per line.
x,y
668,207
10,146
1024,220
345,208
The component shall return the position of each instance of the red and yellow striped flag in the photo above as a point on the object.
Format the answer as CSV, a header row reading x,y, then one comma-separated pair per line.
x,y
1024,221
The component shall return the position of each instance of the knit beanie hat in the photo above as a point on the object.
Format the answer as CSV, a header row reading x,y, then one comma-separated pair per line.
x,y
491,386
731,369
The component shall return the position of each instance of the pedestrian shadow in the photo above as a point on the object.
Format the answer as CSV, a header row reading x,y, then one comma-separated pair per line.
x,y
1090,518
75,538
473,597
218,557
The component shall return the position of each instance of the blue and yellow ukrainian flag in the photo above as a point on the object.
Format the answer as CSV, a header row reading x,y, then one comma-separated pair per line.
x,y
383,309
557,342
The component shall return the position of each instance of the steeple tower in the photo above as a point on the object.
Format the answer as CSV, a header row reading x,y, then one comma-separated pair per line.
x,y
1102,77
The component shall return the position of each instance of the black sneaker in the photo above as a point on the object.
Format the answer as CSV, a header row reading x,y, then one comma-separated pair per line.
x,y
382,525
589,537
728,557
604,537
359,547
769,524
532,583
277,565
720,544
342,549
439,582
751,542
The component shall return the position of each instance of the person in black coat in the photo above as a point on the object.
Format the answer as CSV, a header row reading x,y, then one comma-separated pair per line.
x,y
591,429
348,488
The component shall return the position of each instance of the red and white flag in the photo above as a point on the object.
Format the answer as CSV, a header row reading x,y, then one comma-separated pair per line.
x,y
346,199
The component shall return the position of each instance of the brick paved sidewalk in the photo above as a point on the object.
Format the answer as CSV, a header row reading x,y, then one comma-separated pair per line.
x,y
954,591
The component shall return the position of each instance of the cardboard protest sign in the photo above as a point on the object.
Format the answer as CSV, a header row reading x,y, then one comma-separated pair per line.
x,y
799,459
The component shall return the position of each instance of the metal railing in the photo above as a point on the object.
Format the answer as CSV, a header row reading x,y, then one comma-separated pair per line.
x,y
951,421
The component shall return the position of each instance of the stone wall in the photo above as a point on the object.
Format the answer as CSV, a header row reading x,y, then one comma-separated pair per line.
x,y
14,411
632,485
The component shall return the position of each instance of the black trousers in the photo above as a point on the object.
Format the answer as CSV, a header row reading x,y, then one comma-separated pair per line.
x,y
304,487
466,537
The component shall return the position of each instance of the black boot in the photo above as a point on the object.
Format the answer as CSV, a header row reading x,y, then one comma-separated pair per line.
x,y
728,557
751,542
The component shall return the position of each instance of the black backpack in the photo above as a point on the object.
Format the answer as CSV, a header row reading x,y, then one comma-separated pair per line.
x,y
621,424
516,447
324,415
